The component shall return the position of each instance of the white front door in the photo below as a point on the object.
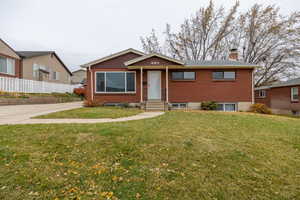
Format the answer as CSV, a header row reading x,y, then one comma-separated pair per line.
x,y
154,84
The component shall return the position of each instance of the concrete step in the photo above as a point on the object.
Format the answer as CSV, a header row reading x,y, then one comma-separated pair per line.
x,y
155,105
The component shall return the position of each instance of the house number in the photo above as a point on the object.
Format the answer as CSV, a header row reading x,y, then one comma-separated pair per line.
x,y
155,63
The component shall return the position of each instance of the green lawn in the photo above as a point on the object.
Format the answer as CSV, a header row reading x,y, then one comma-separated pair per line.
x,y
179,155
93,113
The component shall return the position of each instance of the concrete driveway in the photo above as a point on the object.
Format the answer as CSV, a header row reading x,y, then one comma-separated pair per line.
x,y
15,114
21,114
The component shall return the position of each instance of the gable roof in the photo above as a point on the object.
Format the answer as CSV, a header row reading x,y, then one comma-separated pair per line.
x,y
291,82
16,54
133,61
31,54
78,70
113,56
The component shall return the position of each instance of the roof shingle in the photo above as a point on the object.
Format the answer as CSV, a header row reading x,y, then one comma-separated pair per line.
x,y
217,63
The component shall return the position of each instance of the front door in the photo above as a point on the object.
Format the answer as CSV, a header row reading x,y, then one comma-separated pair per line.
x,y
154,85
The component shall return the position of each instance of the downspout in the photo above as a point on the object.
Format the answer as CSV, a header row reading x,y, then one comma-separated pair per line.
x,y
166,105
253,86
92,83
141,84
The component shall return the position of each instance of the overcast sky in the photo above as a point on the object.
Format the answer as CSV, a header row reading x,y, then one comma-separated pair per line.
x,y
83,30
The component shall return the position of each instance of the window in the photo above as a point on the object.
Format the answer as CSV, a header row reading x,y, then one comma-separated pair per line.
x,y
40,72
115,82
7,65
183,76
294,94
35,70
262,93
227,107
224,75
55,75
178,105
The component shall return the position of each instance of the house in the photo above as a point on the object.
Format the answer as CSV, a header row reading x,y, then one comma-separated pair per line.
x,y
282,98
78,77
10,61
153,81
44,66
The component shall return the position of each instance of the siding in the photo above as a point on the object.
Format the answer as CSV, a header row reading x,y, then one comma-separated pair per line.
x,y
6,50
78,76
49,61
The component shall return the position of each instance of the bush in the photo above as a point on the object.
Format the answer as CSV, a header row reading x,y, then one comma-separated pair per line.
x,y
208,105
260,108
125,105
79,91
91,103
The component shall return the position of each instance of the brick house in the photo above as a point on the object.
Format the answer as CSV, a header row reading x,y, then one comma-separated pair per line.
x,y
154,81
10,62
282,98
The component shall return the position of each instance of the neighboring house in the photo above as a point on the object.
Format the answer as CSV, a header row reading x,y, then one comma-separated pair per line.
x,y
10,61
152,80
282,98
44,66
79,76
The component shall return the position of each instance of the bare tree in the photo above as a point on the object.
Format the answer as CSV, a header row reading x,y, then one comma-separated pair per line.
x,y
262,35
151,43
199,37
271,41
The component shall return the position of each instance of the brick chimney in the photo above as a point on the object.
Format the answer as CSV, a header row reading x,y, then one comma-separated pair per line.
x,y
233,54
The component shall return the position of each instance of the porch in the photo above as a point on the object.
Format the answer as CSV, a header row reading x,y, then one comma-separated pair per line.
x,y
154,88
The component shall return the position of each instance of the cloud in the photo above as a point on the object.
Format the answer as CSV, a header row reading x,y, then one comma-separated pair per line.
x,y
82,30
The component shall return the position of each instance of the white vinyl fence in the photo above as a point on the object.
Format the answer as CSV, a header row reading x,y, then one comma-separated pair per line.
x,y
31,86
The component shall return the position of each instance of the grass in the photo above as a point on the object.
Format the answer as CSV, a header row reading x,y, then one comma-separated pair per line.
x,y
93,113
4,94
179,155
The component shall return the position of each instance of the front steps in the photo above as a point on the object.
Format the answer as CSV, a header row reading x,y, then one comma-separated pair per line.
x,y
155,105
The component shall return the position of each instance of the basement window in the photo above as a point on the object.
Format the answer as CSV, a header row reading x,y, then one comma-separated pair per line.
x,y
226,107
179,105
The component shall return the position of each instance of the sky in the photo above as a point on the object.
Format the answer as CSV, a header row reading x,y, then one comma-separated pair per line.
x,y
84,30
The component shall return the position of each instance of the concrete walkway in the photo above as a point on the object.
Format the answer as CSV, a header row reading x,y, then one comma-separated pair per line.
x,y
21,114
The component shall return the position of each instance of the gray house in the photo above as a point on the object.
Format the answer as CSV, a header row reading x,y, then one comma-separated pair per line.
x,y
79,76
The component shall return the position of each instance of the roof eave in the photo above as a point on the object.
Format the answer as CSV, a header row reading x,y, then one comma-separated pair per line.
x,y
17,55
133,61
190,67
113,56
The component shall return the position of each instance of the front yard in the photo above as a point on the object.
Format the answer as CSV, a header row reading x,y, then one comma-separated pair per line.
x,y
93,113
179,155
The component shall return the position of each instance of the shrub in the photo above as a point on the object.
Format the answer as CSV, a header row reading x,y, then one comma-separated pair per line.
x,y
260,108
208,105
125,105
91,103
79,91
